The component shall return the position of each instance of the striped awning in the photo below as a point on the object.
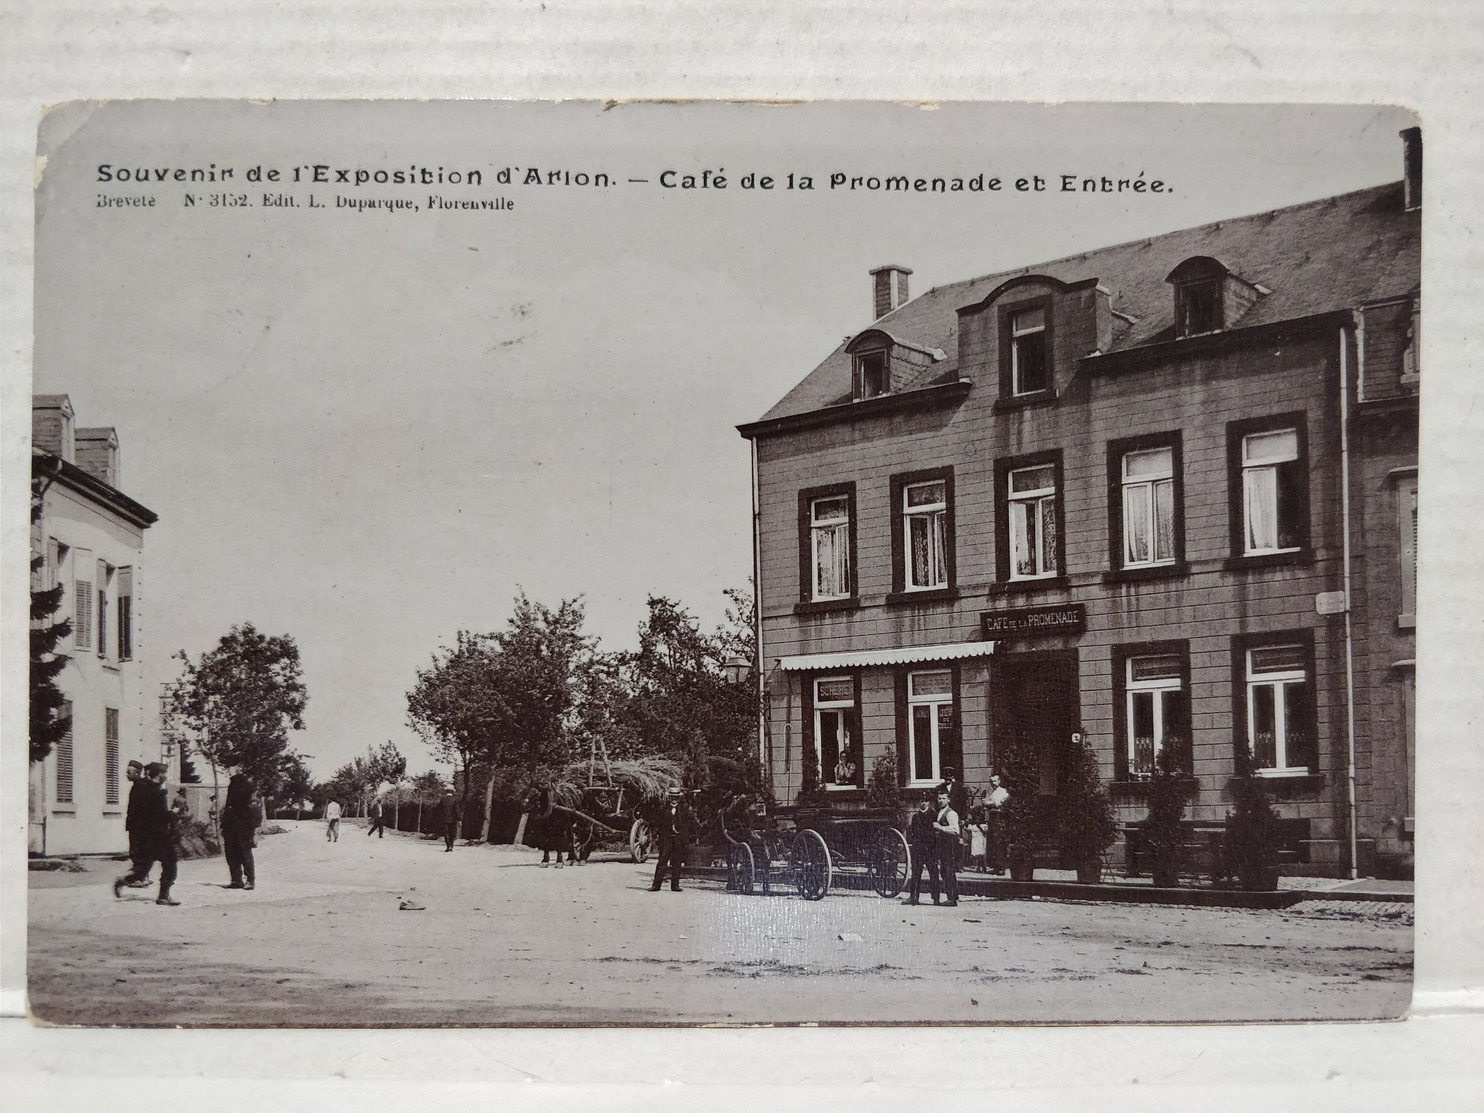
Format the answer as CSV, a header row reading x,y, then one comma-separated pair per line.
x,y
877,657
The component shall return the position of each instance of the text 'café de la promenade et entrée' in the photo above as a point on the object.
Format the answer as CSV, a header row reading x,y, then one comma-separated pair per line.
x,y
1165,490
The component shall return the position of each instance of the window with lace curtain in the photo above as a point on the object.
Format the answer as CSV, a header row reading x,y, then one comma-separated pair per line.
x,y
1268,489
922,532
827,545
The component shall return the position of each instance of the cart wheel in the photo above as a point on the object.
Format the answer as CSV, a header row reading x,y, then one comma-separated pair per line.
x,y
741,869
641,841
811,865
891,863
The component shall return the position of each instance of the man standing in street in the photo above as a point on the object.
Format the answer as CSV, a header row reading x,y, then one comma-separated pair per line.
x,y
135,773
378,824
949,836
672,831
449,818
155,831
332,821
924,842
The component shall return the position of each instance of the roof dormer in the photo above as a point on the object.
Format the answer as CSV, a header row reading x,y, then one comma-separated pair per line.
x,y
882,363
1208,296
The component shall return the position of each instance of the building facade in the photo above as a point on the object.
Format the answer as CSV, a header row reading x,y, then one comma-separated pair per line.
x,y
1163,491
91,538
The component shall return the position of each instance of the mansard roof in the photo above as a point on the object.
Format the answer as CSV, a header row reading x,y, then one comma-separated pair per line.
x,y
1320,256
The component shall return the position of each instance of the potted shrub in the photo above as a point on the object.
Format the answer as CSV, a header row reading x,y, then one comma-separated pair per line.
x,y
1251,841
1084,824
811,790
1162,832
1020,823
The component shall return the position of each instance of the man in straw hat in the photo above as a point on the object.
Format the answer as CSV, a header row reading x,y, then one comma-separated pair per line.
x,y
672,829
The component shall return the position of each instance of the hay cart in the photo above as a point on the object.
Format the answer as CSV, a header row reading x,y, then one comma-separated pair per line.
x,y
811,850
603,799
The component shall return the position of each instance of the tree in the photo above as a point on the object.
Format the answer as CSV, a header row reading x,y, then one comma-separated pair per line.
x,y
683,706
293,781
236,704
427,788
388,765
48,723
505,697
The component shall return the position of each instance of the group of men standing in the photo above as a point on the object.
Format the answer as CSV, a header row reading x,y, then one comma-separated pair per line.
x,y
935,836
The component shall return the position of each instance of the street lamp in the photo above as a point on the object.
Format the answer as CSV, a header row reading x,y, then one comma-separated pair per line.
x,y
736,669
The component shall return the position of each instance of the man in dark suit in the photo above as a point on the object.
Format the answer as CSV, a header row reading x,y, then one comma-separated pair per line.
x,y
154,829
947,828
449,819
135,773
672,831
378,820
924,842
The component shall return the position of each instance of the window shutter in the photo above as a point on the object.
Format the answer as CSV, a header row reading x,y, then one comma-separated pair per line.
x,y
901,703
63,754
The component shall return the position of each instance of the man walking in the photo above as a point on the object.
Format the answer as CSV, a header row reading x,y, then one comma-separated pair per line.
x,y
378,824
332,821
949,837
135,774
672,831
154,828
449,818
923,840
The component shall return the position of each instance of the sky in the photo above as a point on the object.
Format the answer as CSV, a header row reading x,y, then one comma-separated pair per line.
x,y
371,428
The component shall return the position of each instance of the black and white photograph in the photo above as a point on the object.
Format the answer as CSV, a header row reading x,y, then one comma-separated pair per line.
x,y
640,564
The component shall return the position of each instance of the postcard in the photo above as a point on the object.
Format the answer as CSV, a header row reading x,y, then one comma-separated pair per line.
x,y
509,564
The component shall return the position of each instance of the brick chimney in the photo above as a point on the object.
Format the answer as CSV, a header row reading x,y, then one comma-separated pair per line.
x,y
889,289
1411,168
98,453
51,425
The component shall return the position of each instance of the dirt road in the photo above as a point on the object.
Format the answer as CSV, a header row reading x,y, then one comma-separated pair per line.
x,y
500,940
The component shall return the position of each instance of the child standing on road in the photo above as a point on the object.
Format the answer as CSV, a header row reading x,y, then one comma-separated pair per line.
x,y
332,821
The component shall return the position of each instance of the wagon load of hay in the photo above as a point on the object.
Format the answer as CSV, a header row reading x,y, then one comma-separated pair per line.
x,y
603,800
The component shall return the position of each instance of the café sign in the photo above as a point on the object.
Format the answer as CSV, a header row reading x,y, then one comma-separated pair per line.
x,y
1006,624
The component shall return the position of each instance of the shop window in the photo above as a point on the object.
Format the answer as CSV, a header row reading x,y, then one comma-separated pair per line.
x,y
930,719
836,740
1156,712
827,544
1280,708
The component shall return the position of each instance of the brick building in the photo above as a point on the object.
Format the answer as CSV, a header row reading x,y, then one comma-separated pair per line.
x,y
1164,490
92,537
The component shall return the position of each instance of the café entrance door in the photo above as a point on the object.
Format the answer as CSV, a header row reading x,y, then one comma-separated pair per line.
x,y
1036,706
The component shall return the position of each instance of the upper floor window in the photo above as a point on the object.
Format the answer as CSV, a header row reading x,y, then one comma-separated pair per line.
x,y
1148,489
827,543
1280,708
1270,490
925,520
1030,364
105,581
1033,522
1028,535
82,601
830,538
1269,487
1197,307
126,613
871,375
1406,493
922,530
